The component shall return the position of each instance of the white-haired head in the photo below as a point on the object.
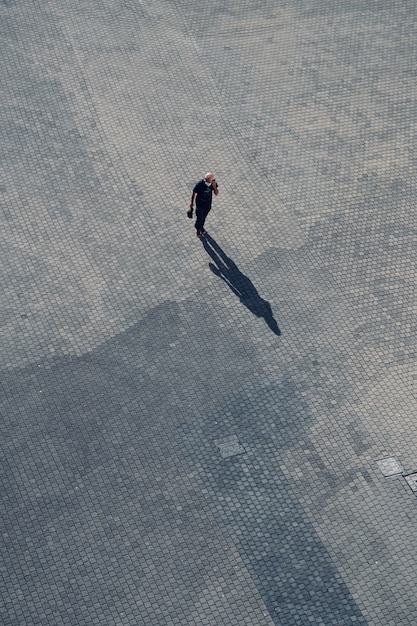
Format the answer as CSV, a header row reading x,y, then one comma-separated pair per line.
x,y
208,177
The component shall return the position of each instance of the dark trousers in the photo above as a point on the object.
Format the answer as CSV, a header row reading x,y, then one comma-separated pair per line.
x,y
201,214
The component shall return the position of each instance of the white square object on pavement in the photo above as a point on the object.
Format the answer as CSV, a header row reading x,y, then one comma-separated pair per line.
x,y
229,446
412,481
390,466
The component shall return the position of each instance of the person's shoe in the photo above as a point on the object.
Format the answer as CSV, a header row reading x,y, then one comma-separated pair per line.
x,y
203,232
198,233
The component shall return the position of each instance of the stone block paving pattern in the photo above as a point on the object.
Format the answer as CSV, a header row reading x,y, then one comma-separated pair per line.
x,y
218,431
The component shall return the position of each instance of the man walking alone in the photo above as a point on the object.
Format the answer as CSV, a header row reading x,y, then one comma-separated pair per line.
x,y
203,193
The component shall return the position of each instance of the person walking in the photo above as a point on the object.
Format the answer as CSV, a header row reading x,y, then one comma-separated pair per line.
x,y
203,193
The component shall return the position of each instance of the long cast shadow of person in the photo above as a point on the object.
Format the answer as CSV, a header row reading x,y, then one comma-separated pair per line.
x,y
240,284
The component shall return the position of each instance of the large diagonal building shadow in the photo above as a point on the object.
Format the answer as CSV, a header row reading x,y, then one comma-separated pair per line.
x,y
240,284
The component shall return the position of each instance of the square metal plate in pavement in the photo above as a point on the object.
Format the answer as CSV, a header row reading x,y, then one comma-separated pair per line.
x,y
390,466
412,481
229,446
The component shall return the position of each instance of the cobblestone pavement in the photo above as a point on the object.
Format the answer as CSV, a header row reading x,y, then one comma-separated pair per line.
x,y
192,429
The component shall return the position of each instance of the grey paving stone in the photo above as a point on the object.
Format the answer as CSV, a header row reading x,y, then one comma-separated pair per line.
x,y
129,347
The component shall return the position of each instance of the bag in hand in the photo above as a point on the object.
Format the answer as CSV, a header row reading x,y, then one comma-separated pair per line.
x,y
190,213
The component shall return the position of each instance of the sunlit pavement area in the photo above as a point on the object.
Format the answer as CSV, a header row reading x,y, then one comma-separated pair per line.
x,y
219,431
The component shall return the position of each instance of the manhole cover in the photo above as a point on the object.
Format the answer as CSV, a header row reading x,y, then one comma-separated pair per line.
x,y
412,481
390,466
229,446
